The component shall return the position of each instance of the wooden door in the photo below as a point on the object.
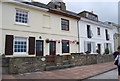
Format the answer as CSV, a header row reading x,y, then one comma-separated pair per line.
x,y
52,48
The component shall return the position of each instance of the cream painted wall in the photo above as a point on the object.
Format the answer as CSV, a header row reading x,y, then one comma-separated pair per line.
x,y
38,27
0,27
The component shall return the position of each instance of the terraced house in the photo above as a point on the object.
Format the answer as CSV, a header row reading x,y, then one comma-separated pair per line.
x,y
95,36
35,29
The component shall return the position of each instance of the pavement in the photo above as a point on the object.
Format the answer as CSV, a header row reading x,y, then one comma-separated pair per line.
x,y
78,72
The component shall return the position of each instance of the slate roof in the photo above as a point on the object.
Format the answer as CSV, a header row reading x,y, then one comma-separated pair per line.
x,y
41,5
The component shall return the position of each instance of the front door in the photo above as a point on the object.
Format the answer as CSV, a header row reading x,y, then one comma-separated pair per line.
x,y
99,48
52,48
39,48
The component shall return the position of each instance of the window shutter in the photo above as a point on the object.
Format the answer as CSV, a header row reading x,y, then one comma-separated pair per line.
x,y
31,45
94,47
85,46
9,45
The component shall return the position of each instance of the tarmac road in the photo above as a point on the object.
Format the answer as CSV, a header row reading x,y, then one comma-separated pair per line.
x,y
108,75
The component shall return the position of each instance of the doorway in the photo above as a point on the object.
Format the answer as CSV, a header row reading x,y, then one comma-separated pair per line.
x,y
39,48
52,48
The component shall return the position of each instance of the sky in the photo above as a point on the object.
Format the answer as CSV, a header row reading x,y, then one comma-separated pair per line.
x,y
107,10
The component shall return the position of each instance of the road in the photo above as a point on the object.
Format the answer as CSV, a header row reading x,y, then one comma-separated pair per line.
x,y
108,75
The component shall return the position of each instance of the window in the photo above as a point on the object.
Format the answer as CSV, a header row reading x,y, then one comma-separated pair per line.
x,y
89,47
21,16
107,35
65,24
87,14
20,45
89,32
98,31
65,46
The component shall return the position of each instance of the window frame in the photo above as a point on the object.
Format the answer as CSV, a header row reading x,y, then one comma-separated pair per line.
x,y
68,46
98,31
65,24
23,53
21,22
89,32
89,43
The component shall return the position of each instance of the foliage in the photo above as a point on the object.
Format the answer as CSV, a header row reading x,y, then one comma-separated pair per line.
x,y
106,51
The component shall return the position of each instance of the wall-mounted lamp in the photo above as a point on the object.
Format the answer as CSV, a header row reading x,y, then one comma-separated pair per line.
x,y
40,37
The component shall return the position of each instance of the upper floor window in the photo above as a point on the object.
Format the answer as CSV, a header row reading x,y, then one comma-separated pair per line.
x,y
21,16
89,32
107,35
98,31
65,24
90,16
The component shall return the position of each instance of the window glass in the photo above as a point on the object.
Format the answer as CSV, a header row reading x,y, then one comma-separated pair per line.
x,y
21,16
20,44
65,46
65,24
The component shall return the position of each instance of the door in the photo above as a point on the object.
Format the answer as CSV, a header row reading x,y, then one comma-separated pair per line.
x,y
39,48
52,48
89,47
99,48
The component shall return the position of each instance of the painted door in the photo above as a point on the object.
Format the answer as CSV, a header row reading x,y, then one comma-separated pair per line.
x,y
39,48
99,48
52,48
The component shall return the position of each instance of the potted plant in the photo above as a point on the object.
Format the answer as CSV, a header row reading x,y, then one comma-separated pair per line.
x,y
106,51
77,43
47,40
98,51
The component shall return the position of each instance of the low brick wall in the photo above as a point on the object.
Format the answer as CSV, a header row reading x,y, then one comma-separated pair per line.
x,y
16,65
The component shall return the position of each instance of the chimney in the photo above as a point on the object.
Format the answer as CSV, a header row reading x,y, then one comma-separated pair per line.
x,y
57,4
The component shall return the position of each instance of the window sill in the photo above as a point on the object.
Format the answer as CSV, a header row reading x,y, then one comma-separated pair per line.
x,y
21,24
99,35
66,30
47,27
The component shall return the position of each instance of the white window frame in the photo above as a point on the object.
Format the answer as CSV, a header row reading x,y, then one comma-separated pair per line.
x,y
19,53
21,22
97,31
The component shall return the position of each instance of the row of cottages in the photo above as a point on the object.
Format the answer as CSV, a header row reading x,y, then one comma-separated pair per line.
x,y
37,29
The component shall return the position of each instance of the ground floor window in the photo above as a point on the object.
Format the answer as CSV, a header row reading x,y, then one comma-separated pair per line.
x,y
20,45
89,47
65,46
108,47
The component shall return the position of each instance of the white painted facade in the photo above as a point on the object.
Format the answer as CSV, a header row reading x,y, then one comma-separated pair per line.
x,y
96,39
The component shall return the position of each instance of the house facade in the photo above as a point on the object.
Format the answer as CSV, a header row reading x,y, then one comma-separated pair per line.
x,y
35,29
94,36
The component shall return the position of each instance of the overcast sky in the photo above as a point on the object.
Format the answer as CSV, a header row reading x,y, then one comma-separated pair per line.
x,y
107,10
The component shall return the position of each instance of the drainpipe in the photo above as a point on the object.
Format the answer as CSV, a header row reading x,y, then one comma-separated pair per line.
x,y
78,36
